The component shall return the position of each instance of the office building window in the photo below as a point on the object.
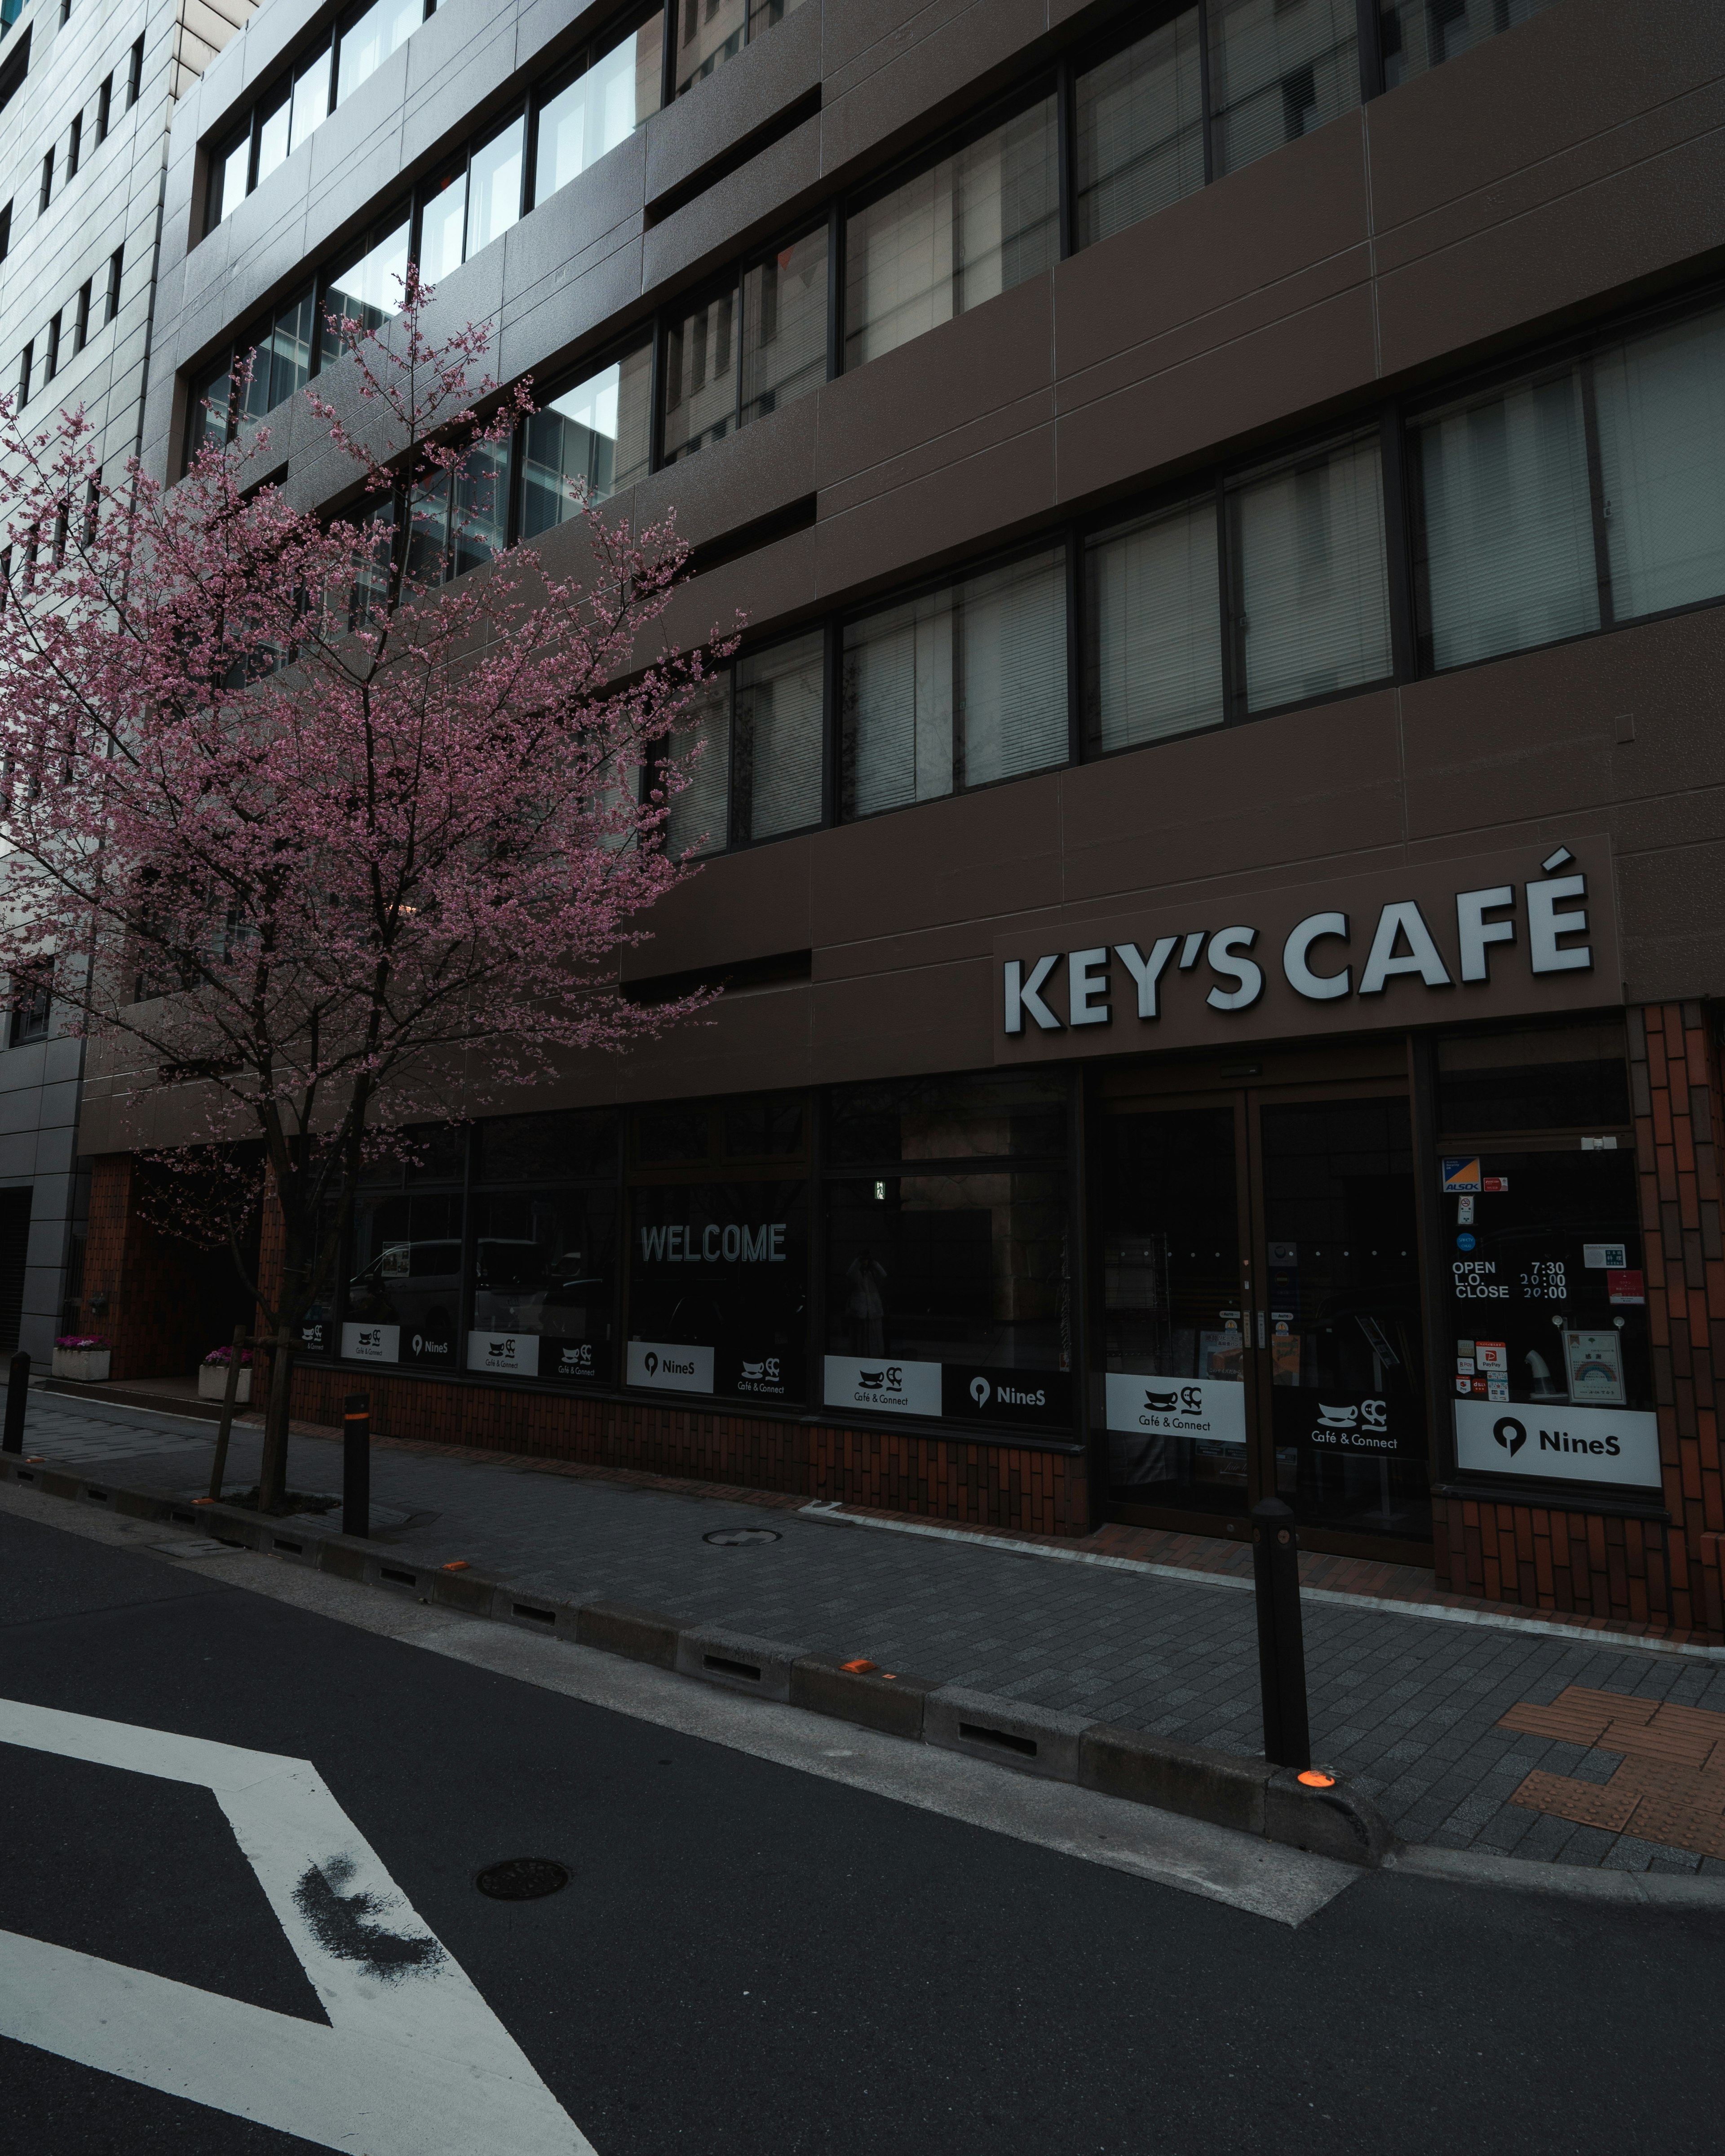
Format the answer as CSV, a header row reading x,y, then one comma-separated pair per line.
x,y
979,221
1311,597
230,172
368,287
80,334
1278,69
74,146
1589,495
5,232
614,90
51,350
105,108
762,725
454,527
371,38
587,441
116,266
758,342
211,414
311,98
1153,619
472,201
1139,138
1418,34
135,74
26,366
46,192
711,31
958,687
281,358
32,1010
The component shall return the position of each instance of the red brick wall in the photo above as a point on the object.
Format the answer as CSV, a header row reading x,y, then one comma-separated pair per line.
x,y
1638,1571
984,1484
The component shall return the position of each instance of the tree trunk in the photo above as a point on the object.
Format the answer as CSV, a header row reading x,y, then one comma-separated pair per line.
x,y
272,1474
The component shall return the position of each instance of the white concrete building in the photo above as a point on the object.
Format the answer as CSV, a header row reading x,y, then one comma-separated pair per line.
x,y
88,90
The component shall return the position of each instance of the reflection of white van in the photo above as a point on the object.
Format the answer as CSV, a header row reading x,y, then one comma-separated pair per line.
x,y
441,1260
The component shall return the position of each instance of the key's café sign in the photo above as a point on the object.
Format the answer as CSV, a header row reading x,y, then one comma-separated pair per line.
x,y
1493,935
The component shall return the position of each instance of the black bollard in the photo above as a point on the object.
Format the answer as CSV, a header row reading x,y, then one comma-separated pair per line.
x,y
18,1394
1281,1647
357,1466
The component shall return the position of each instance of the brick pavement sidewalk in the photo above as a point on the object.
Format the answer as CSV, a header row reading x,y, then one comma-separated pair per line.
x,y
1410,1701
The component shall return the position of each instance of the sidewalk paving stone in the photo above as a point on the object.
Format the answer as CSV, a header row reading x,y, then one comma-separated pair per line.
x,y
1410,1703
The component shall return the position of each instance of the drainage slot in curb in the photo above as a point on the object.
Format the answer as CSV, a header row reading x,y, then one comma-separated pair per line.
x,y
401,1578
96,1496
522,1879
230,1541
1024,1746
22,1477
727,1668
281,1542
188,1519
542,1617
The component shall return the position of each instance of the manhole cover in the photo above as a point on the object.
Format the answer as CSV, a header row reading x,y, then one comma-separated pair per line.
x,y
522,1879
735,1538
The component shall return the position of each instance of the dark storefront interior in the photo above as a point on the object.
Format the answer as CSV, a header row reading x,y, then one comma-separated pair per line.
x,y
1282,1273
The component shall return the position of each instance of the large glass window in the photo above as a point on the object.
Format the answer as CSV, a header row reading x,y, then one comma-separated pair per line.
x,y
275,129
544,1285
1312,600
493,185
949,1273
747,348
371,38
1139,139
711,31
983,219
368,288
1591,494
312,98
588,441
614,93
1278,69
718,1295
1153,615
403,1295
1508,554
1418,34
758,775
957,688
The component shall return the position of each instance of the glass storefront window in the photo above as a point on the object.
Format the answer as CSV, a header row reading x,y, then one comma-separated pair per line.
x,y
1014,1115
546,1147
403,1296
1348,1417
1546,1297
544,1285
1574,1078
1171,1346
718,1288
951,1296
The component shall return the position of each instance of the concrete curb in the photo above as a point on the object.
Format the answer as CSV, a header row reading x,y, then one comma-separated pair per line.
x,y
1250,1795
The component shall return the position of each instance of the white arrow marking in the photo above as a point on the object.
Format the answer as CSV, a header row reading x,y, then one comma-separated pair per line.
x,y
412,2062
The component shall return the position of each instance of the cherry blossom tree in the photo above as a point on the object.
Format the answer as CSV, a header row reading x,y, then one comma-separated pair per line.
x,y
307,832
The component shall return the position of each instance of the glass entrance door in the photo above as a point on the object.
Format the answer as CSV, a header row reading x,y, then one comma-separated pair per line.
x,y
1259,1323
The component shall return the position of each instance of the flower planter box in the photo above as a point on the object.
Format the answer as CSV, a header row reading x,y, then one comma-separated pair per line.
x,y
85,1366
213,1382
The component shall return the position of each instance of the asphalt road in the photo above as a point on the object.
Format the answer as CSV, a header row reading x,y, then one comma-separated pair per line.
x,y
747,1957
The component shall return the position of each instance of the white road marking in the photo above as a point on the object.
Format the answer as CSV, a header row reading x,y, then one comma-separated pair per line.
x,y
412,2062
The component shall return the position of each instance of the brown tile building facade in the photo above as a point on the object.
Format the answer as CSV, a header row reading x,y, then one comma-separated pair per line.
x,y
1214,828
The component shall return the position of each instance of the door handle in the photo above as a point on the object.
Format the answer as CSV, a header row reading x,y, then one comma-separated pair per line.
x,y
1260,1329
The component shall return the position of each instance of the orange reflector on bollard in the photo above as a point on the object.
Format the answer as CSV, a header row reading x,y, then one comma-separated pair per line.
x,y
861,1667
457,1564
203,1500
1314,1780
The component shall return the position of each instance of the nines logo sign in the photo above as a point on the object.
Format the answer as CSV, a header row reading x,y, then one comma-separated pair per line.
x,y
1561,1442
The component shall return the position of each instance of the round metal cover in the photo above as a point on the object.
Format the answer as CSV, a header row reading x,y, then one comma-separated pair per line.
x,y
522,1879
736,1538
